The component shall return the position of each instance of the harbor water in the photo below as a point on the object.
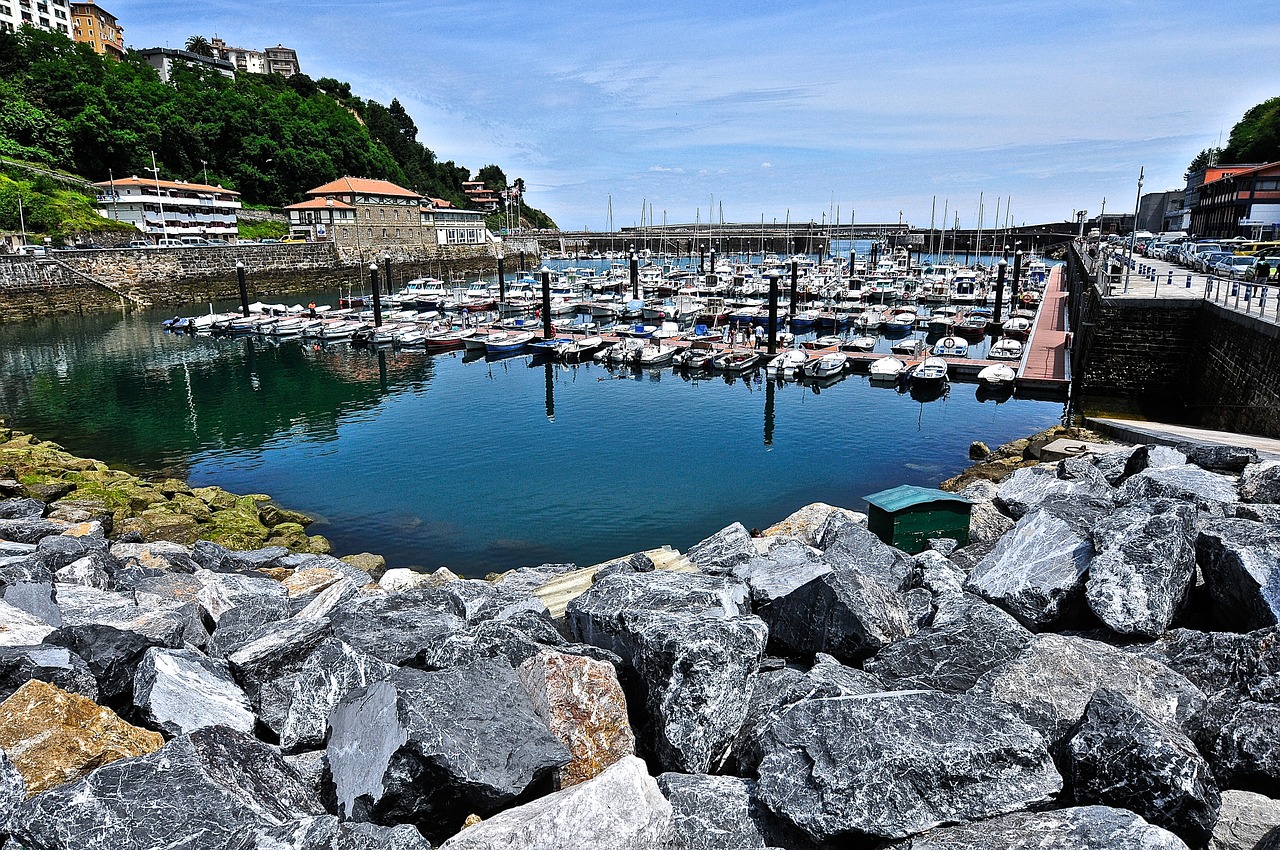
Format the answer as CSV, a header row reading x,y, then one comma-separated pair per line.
x,y
478,464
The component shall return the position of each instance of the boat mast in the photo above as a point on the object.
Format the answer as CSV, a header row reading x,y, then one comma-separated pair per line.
x,y
979,242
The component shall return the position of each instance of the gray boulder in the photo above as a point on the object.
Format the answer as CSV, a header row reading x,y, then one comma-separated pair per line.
x,y
786,565
13,788
968,637
1083,828
724,550
1247,665
56,665
1050,683
1260,483
1238,737
20,628
180,690
1244,820
1208,491
1036,572
621,809
90,571
849,547
1120,756
30,529
430,748
275,652
1153,457
1219,458
836,765
844,613
159,555
21,509
308,696
326,832
218,559
722,813
398,628
1144,568
1032,486
209,790
1241,564
113,656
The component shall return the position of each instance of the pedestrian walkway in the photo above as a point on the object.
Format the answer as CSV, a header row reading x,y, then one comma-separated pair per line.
x,y
1163,433
1045,364
1157,279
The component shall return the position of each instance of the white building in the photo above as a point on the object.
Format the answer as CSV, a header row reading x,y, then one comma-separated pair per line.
x,y
51,15
453,226
168,209
163,59
246,60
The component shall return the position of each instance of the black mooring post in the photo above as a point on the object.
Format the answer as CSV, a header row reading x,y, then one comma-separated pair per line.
x,y
711,267
1017,274
522,268
768,412
502,282
795,277
773,314
635,273
377,299
547,332
702,261
244,289
386,265
1003,269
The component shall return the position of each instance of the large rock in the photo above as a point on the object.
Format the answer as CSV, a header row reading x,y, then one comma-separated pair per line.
x,y
849,546
583,705
1219,458
785,566
844,613
209,790
429,748
262,664
1241,564
1036,572
1050,683
1152,456
1247,665
30,529
809,523
56,665
1032,486
621,809
1238,737
308,696
326,832
689,652
113,655
835,766
775,690
1260,483
21,509
1244,820
1120,756
722,813
1083,828
967,638
54,737
398,628
724,550
1208,491
1144,568
13,788
21,628
181,690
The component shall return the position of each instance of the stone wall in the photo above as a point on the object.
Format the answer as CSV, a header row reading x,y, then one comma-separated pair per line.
x,y
86,280
1137,347
1234,373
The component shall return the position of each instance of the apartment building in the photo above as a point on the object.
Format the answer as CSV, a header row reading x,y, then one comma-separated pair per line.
x,y
95,26
51,15
170,209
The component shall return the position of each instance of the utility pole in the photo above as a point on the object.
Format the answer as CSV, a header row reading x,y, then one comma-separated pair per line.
x,y
1133,235
164,227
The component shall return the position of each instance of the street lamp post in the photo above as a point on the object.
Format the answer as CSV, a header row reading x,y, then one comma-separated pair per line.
x,y
1133,235
164,227
204,163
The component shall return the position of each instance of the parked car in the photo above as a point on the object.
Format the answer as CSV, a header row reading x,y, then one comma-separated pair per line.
x,y
169,243
216,242
138,243
194,241
1206,262
1234,267
32,251
269,241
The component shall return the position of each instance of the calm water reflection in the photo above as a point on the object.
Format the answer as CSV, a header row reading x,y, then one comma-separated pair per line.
x,y
481,465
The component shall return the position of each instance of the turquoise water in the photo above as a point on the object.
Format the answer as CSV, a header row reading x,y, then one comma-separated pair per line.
x,y
440,460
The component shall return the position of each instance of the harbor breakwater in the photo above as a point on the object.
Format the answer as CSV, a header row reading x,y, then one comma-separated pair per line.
x,y
1097,668
92,281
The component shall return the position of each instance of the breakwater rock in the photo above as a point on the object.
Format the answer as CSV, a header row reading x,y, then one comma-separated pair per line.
x,y
1099,669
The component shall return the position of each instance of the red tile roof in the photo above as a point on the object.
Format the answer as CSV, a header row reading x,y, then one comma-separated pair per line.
x,y
321,204
363,186
150,182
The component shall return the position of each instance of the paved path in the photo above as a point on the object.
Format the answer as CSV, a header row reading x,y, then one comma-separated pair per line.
x,y
1045,363
1167,434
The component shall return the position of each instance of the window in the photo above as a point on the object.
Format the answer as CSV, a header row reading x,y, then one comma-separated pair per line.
x,y
5,10
384,233
59,14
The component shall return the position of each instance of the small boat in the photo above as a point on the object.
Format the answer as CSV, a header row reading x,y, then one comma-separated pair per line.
x,y
974,324
626,351
505,343
698,355
1017,327
909,347
478,338
941,321
827,365
553,347
787,363
582,349
951,346
861,343
453,338
735,360
1006,349
636,331
804,320
887,369
898,323
932,371
656,355
411,339
997,375
823,342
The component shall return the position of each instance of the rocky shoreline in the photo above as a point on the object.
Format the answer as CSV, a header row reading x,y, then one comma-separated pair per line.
x,y
1098,668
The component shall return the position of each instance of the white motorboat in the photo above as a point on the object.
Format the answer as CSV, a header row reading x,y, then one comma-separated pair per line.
x,y
932,371
657,355
1017,327
1006,349
582,349
823,342
887,369
909,347
997,375
735,360
951,346
861,343
787,363
827,365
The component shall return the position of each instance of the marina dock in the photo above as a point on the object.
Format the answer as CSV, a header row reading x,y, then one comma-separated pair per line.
x,y
1045,365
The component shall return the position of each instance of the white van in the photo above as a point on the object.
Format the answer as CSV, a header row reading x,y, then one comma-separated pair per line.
x,y
194,240
169,243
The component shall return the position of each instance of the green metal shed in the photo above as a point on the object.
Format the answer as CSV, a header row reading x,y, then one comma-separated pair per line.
x,y
908,517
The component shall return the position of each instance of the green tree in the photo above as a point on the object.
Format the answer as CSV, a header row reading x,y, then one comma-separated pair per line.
x,y
1256,138
1208,156
493,178
199,45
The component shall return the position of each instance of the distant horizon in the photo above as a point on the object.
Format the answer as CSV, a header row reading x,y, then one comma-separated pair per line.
x,y
819,110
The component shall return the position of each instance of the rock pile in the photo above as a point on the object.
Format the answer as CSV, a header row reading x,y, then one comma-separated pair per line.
x,y
1100,668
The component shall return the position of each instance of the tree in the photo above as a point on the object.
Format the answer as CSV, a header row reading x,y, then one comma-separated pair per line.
x,y
1256,138
199,45
492,177
1208,156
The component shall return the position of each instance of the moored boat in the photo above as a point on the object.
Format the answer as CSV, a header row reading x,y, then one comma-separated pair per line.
x,y
887,369
1006,349
997,375
951,346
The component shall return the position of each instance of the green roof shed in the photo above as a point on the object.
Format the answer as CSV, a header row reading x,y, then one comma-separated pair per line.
x,y
908,517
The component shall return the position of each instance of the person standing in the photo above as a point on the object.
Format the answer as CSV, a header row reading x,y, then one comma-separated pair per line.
x,y
1263,272
759,335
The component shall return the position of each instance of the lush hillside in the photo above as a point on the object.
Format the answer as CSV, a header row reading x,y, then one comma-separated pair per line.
x,y
53,208
267,137
1256,138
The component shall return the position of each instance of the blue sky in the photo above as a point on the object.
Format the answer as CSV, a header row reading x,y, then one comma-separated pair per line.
x,y
766,108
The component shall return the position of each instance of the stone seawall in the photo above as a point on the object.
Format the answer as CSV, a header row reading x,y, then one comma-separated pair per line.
x,y
79,281
1233,374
